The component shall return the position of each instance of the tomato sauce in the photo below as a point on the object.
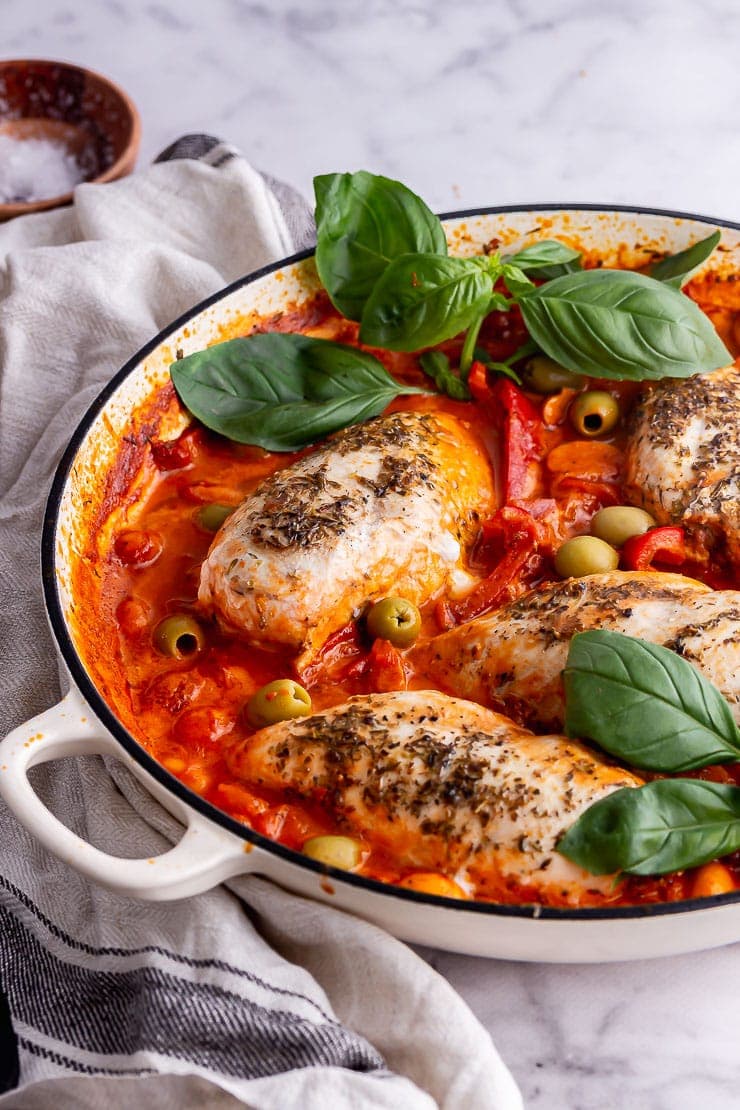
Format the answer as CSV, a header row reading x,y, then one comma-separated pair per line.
x,y
186,711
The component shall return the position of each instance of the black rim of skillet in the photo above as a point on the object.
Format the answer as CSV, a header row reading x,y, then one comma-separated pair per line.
x,y
173,784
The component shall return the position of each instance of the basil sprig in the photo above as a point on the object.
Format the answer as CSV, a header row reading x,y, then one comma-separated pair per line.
x,y
384,262
676,269
645,704
282,392
664,826
382,256
364,221
649,707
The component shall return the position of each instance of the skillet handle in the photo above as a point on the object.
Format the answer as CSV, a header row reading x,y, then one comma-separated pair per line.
x,y
204,857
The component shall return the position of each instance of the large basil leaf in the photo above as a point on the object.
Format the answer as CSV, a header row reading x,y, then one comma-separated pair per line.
x,y
665,826
676,269
283,392
423,299
622,325
547,259
645,704
363,222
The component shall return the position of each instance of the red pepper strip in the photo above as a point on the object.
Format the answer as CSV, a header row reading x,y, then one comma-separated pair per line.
x,y
342,644
478,383
522,432
443,615
520,533
667,545
386,667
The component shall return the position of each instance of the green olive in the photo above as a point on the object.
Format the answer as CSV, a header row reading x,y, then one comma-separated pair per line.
x,y
618,523
594,413
585,555
544,375
280,700
394,619
211,517
179,636
335,851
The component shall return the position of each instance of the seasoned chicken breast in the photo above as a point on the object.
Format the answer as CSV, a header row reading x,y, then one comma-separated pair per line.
x,y
442,784
386,506
512,659
683,457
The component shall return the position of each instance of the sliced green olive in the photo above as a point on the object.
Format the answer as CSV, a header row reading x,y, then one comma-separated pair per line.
x,y
179,636
594,413
618,523
585,555
280,700
394,619
335,851
544,375
211,517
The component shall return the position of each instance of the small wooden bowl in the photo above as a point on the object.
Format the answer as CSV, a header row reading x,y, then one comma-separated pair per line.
x,y
88,113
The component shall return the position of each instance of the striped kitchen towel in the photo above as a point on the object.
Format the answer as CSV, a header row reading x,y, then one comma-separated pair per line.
x,y
246,995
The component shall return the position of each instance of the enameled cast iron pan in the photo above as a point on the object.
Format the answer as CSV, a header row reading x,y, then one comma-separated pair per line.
x,y
214,846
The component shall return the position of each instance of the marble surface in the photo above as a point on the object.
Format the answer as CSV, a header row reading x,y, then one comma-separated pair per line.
x,y
476,102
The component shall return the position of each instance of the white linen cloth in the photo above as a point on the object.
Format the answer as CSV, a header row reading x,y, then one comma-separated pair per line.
x,y
241,996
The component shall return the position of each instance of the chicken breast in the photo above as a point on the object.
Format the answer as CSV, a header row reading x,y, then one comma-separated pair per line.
x,y
512,660
442,784
683,458
390,505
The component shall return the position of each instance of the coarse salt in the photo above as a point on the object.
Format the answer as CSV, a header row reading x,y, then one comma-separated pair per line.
x,y
36,169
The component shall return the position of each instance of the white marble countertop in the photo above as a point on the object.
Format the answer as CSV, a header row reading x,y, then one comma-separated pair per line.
x,y
478,102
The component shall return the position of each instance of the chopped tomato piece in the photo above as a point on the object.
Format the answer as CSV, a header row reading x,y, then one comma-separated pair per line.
x,y
241,801
503,333
133,616
345,643
387,671
292,824
443,615
518,533
666,545
201,726
174,454
137,548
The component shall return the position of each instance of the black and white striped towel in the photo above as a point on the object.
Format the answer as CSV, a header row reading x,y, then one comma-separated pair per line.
x,y
242,996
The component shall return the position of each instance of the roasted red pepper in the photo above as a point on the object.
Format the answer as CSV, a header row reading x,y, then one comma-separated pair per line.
x,y
666,545
517,532
386,669
345,643
521,425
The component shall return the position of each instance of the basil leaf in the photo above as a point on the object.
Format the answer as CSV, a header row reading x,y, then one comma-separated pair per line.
x,y
516,281
676,269
621,325
547,259
437,366
481,355
645,704
363,222
423,299
664,826
282,392
499,303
